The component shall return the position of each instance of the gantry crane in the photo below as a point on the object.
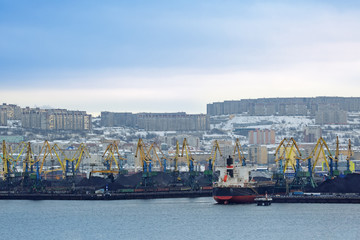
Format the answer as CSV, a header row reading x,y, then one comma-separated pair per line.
x,y
113,161
6,160
141,152
305,179
27,161
302,180
44,154
153,153
212,158
16,154
62,158
81,153
75,160
177,155
176,174
336,171
319,150
211,161
348,158
191,165
112,158
190,159
146,162
240,153
285,154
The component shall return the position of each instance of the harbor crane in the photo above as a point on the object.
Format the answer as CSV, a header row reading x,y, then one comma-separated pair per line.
x,y
80,153
348,158
177,155
190,159
112,158
285,154
6,160
240,153
319,153
141,152
153,153
113,161
212,158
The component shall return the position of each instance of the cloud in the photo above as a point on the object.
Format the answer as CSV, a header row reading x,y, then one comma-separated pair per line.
x,y
191,91
169,57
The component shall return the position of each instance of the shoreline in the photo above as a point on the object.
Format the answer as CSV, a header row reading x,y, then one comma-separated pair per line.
x,y
112,196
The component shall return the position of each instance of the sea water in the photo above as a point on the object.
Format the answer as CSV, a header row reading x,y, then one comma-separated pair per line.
x,y
175,218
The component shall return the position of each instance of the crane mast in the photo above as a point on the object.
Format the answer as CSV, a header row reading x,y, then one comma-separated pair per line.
x,y
190,159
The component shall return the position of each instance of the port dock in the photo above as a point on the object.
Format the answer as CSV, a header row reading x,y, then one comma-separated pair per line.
x,y
113,196
317,199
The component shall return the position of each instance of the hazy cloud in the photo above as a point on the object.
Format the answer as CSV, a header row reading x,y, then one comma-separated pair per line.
x,y
176,56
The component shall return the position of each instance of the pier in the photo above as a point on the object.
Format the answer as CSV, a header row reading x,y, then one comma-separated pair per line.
x,y
317,199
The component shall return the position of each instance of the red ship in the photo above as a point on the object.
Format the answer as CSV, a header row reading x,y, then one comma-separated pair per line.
x,y
235,185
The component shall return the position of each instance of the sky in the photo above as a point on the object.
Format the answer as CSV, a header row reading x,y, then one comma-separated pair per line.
x,y
171,56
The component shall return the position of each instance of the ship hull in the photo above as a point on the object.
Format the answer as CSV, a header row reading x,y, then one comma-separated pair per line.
x,y
225,195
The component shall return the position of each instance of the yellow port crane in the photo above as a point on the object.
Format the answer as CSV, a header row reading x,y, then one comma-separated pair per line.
x,y
29,160
142,153
15,154
318,152
112,158
76,159
62,159
177,155
44,154
335,159
287,153
153,153
240,153
6,160
348,159
190,159
215,149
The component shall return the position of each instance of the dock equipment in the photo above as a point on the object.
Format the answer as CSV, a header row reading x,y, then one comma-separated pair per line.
x,y
6,161
240,153
191,164
348,159
319,153
285,155
141,152
76,159
113,159
47,152
157,156
145,156
189,158
211,161
176,157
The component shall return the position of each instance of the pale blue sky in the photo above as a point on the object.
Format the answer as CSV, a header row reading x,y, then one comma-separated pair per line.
x,y
167,56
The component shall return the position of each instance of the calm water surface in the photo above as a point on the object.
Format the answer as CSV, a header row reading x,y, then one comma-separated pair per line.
x,y
183,218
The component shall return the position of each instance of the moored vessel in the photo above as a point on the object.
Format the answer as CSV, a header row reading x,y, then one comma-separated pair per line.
x,y
235,185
